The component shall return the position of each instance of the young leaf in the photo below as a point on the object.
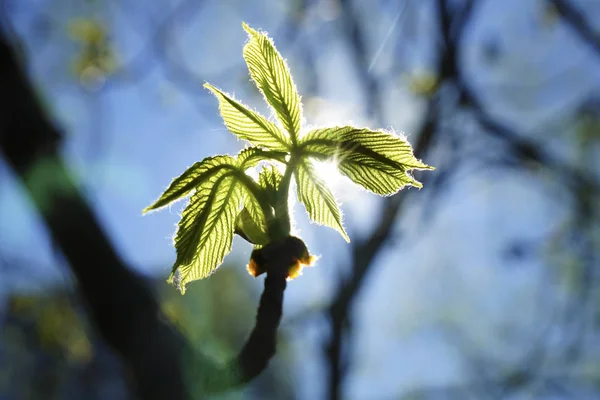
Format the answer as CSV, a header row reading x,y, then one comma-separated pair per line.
x,y
247,227
203,170
251,222
251,156
269,180
197,174
207,225
377,160
255,211
205,231
320,203
249,125
272,77
376,177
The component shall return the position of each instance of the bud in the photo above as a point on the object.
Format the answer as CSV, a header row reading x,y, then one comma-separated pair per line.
x,y
289,253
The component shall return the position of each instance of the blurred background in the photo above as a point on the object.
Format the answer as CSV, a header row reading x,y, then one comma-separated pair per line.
x,y
483,285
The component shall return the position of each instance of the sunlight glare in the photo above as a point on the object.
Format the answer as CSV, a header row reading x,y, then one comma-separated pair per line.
x,y
328,171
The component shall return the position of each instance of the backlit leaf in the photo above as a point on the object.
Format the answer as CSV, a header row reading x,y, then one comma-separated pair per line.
x,y
269,180
206,228
320,203
251,221
207,225
247,227
255,211
249,125
251,156
272,77
195,175
379,161
226,200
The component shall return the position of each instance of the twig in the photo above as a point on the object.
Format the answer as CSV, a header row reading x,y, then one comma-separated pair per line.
x,y
120,303
525,149
365,251
359,51
578,22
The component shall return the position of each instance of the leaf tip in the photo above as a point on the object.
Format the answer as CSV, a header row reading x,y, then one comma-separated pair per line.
x,y
340,228
417,184
210,87
248,29
148,209
175,280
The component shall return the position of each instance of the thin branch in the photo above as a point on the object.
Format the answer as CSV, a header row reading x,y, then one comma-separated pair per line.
x,y
578,22
453,22
365,251
582,185
120,303
524,148
358,47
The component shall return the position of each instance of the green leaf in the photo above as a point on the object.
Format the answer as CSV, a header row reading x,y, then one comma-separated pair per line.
x,y
225,200
269,179
195,175
206,228
272,77
249,125
247,227
207,225
251,156
251,221
320,203
379,161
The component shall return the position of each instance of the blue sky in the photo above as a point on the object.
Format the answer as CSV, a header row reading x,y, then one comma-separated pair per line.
x,y
126,142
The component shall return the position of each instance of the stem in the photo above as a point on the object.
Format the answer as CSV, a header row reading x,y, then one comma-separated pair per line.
x,y
120,303
282,213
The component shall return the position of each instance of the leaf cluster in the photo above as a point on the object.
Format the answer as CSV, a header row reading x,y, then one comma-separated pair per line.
x,y
226,200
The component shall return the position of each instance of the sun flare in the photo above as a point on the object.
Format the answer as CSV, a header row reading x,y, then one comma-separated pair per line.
x,y
328,171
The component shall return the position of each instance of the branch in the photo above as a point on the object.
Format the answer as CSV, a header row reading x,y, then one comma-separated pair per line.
x,y
453,22
582,184
359,52
523,148
121,305
365,251
577,21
